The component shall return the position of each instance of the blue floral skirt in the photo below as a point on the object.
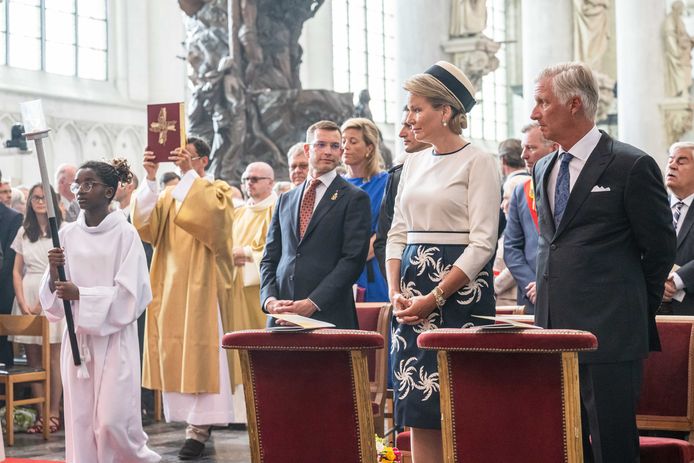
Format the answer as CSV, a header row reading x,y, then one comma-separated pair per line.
x,y
415,371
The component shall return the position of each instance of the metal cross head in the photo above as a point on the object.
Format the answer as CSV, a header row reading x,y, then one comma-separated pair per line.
x,y
162,126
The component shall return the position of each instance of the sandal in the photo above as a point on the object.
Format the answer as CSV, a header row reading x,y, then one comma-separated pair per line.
x,y
37,427
54,424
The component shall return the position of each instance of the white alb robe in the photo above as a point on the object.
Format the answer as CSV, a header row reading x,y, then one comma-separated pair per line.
x,y
102,412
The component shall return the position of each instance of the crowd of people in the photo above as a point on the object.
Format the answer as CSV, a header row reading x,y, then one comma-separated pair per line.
x,y
569,223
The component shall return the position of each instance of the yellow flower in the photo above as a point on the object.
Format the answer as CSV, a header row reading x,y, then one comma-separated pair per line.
x,y
390,455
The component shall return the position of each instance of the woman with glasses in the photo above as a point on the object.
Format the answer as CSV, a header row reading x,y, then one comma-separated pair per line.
x,y
31,245
361,155
440,246
108,287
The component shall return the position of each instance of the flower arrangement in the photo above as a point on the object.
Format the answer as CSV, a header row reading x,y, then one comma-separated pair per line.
x,y
386,453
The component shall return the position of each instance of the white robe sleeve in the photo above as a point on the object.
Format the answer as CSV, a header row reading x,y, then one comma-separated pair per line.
x,y
146,199
52,306
104,310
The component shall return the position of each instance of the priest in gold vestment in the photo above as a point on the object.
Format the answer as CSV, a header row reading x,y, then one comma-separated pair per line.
x,y
189,226
251,223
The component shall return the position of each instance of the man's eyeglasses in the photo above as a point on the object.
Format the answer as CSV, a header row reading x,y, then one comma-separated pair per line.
x,y
298,166
38,199
85,187
254,179
322,145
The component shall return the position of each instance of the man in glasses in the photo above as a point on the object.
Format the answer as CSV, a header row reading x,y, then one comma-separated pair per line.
x,y
64,178
251,222
313,258
189,227
298,164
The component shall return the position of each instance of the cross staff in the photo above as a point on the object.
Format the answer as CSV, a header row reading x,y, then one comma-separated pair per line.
x,y
38,137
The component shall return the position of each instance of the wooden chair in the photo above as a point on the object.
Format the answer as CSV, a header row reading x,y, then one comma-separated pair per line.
x,y
375,316
510,310
511,395
26,325
307,394
667,393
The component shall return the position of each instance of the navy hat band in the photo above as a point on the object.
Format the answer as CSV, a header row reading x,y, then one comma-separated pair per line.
x,y
456,87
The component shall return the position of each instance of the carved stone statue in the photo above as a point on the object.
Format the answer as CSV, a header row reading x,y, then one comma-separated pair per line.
x,y
591,31
678,53
243,67
468,17
363,109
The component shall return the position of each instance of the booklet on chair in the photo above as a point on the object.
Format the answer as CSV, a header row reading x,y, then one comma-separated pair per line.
x,y
505,323
298,323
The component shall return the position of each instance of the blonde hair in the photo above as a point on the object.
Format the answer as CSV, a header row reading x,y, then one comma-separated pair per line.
x,y
429,87
372,137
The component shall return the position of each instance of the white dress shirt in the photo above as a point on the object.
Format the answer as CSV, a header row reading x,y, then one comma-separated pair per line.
x,y
580,152
325,181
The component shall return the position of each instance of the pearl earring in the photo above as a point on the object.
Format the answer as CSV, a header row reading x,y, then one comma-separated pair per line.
x,y
444,123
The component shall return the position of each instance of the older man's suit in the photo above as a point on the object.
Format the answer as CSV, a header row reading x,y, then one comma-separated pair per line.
x,y
325,263
602,270
685,260
520,244
10,221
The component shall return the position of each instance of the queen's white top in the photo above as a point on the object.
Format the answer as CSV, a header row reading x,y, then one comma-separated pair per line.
x,y
448,199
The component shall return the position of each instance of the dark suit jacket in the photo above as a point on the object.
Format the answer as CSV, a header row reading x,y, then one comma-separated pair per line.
x,y
685,259
604,268
385,217
10,221
323,265
520,245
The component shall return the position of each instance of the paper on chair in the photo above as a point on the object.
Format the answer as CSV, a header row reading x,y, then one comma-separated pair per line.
x,y
505,323
299,323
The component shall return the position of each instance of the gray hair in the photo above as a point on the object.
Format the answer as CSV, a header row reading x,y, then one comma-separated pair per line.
x,y
295,149
681,145
535,125
571,80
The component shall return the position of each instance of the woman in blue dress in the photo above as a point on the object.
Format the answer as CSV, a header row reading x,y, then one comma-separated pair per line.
x,y
361,156
440,246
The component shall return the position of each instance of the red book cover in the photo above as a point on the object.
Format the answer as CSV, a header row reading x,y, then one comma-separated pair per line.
x,y
165,129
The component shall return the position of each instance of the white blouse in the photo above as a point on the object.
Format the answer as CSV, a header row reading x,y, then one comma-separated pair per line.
x,y
453,198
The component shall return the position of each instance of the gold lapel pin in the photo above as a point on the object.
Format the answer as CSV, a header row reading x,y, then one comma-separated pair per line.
x,y
334,196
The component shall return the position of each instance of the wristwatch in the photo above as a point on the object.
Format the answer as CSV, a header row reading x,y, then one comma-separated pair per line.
x,y
437,292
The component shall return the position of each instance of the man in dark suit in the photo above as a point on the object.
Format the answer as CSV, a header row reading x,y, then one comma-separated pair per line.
x,y
10,221
385,216
678,298
318,239
606,246
520,234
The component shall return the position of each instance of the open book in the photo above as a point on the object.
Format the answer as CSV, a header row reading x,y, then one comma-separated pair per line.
x,y
299,323
505,323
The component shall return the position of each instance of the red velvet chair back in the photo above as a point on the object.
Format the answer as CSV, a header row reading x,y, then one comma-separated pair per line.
x,y
307,394
666,401
509,395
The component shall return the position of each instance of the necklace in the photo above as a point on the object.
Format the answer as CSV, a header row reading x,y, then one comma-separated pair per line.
x,y
451,152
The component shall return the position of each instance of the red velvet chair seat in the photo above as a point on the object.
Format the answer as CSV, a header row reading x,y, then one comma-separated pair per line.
x,y
307,394
509,395
664,450
402,442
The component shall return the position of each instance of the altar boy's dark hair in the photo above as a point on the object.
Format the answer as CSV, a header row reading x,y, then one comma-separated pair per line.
x,y
111,173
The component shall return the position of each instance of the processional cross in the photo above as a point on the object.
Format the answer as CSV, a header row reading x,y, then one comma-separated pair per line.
x,y
162,126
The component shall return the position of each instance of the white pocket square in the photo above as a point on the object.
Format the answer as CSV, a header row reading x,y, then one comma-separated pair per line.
x,y
599,189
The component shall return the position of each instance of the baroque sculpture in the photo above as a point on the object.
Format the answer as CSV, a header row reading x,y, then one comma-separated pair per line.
x,y
678,53
468,17
243,67
591,31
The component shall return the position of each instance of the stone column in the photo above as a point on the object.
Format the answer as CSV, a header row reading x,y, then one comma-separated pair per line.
x,y
641,76
547,38
421,28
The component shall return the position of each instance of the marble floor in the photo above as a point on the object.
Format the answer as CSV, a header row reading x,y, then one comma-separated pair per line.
x,y
164,438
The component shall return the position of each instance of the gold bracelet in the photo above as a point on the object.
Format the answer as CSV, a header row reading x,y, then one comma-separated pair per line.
x,y
437,292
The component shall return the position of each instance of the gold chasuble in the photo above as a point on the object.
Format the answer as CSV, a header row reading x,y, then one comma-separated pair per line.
x,y
191,277
251,223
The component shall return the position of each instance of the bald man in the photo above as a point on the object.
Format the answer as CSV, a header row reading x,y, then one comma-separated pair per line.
x,y
251,222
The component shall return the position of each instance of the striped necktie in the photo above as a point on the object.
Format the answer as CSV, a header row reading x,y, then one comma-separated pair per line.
x,y
676,213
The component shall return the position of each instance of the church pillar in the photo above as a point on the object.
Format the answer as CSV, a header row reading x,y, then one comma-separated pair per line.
x,y
640,76
421,28
547,38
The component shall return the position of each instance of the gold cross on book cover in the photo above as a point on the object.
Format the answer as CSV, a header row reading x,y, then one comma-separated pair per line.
x,y
165,129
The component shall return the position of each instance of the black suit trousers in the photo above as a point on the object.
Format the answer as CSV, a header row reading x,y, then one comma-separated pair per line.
x,y
609,396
